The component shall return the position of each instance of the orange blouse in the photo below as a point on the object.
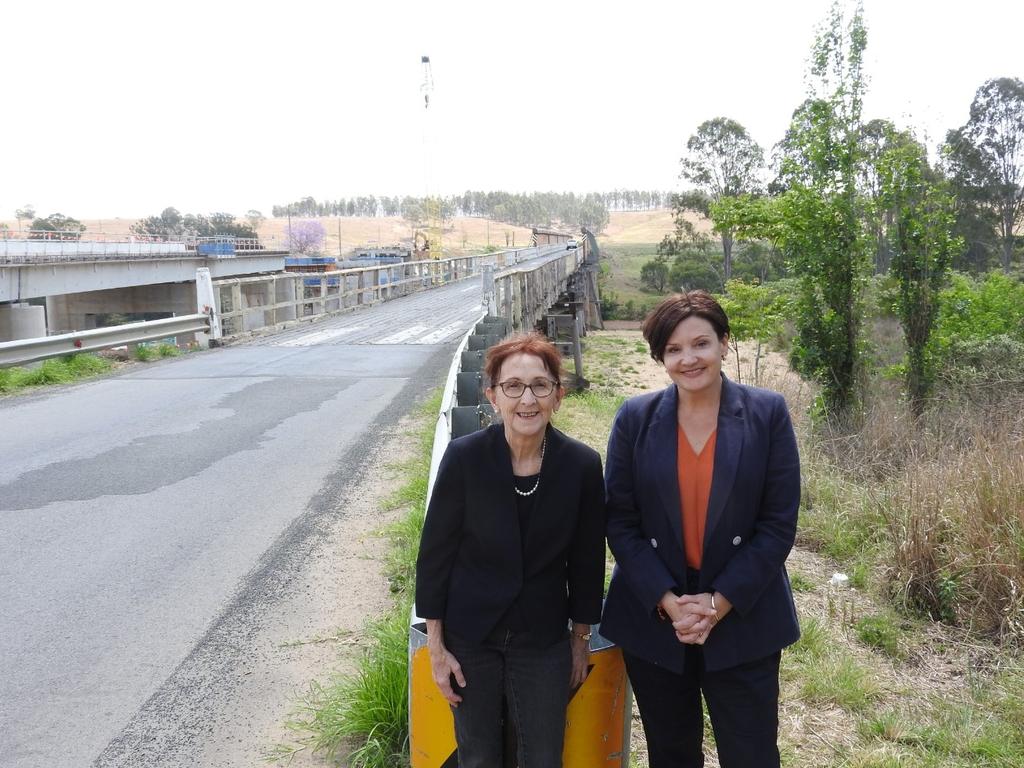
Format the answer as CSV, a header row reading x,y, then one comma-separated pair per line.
x,y
694,471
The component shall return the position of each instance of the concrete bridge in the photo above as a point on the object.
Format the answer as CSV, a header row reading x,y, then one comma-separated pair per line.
x,y
57,288
78,281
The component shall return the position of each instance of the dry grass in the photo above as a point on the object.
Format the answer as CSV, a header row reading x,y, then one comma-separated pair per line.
x,y
644,227
957,523
939,501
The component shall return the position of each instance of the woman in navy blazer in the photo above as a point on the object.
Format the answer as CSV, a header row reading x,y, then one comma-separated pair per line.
x,y
513,551
714,626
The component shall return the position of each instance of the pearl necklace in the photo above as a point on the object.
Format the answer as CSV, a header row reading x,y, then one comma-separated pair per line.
x,y
543,446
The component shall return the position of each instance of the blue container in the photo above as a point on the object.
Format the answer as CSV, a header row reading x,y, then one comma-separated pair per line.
x,y
216,249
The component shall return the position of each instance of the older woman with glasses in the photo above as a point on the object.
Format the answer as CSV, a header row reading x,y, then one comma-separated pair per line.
x,y
512,552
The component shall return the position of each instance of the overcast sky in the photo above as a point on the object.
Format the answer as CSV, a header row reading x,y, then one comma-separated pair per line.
x,y
124,108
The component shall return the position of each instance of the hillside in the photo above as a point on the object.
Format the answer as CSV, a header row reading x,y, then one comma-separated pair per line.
x,y
461,233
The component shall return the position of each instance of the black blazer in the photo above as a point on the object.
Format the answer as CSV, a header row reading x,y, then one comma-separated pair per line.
x,y
472,564
751,526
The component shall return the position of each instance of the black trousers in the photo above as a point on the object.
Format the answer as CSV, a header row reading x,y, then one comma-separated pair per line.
x,y
743,703
534,681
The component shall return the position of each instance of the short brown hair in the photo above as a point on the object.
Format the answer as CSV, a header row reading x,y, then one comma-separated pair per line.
x,y
522,344
662,320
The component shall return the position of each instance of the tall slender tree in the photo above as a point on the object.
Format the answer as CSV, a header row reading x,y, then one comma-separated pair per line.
x,y
920,232
816,218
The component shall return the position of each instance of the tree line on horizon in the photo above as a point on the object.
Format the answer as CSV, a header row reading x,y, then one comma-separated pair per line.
x,y
522,209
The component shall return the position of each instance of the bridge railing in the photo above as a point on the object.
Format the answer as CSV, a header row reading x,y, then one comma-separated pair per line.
x,y
43,246
521,294
249,304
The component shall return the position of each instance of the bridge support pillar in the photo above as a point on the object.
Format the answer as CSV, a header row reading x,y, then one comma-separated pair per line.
x,y
22,321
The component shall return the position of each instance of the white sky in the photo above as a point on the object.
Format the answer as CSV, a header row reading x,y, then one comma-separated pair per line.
x,y
114,108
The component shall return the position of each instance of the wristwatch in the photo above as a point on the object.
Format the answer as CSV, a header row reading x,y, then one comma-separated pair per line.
x,y
582,635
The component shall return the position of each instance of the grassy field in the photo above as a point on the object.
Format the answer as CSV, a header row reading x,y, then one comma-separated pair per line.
x,y
642,227
621,264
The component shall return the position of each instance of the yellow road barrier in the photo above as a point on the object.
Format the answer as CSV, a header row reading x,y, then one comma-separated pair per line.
x,y
597,721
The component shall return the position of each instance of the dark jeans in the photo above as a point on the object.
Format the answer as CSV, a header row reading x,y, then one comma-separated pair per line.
x,y
743,703
536,684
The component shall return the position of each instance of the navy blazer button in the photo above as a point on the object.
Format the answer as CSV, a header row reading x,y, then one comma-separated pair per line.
x,y
654,543
736,541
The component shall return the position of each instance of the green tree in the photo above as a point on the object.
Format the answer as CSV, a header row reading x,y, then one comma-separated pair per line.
x,y
986,159
876,137
816,219
756,313
723,161
57,226
692,263
977,309
172,225
923,244
654,274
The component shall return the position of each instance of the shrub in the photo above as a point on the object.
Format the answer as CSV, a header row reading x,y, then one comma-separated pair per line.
x,y
978,366
979,309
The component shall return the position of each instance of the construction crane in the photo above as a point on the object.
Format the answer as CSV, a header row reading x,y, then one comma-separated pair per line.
x,y
432,202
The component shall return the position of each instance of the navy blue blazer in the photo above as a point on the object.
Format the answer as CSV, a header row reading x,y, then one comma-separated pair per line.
x,y
473,564
751,526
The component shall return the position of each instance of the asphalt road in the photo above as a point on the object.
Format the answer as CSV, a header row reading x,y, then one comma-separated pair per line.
x,y
149,520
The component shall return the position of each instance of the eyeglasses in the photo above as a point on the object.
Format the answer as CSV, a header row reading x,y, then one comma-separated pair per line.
x,y
540,388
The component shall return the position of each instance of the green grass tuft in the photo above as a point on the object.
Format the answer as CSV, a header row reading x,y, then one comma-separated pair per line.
x,y
370,707
146,353
881,633
800,583
58,370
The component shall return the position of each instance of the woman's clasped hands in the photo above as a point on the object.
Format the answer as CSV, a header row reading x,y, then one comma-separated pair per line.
x,y
693,616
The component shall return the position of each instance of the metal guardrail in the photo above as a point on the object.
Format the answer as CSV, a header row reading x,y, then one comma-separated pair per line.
x,y
31,350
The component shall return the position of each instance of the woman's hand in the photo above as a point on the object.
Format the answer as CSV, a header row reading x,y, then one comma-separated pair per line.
x,y
443,665
700,614
580,655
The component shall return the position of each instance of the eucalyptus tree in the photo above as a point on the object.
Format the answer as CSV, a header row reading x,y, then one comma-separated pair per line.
x,y
723,161
986,160
25,214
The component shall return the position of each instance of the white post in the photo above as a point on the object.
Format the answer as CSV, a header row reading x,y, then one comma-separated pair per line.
x,y
487,280
207,305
